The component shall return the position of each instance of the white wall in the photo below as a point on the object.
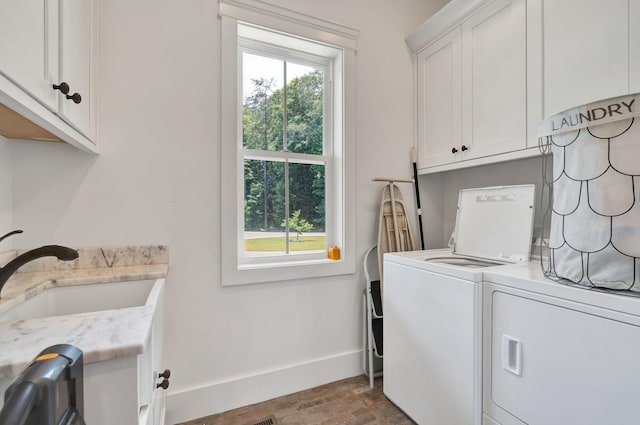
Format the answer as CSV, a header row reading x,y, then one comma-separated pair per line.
x,y
6,193
439,193
157,180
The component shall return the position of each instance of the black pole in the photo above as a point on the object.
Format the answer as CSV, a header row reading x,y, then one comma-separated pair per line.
x,y
415,184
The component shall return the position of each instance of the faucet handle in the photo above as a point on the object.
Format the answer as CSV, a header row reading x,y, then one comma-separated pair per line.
x,y
10,234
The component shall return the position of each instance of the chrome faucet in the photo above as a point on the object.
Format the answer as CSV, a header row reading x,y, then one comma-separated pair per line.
x,y
60,252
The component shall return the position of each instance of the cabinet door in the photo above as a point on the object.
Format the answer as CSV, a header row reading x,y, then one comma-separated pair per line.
x,y
574,367
585,51
438,108
494,80
634,47
111,392
157,360
77,50
28,47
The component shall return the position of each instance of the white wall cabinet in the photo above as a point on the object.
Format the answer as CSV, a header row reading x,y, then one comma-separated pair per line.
x,y
471,87
77,62
552,361
439,101
44,43
519,61
634,40
494,80
587,49
28,47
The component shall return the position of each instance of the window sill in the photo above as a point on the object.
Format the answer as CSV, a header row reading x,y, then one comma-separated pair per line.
x,y
247,274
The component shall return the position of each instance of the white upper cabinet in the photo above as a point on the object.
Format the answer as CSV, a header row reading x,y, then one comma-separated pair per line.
x,y
77,50
489,71
439,106
634,47
47,71
471,84
494,80
28,47
586,51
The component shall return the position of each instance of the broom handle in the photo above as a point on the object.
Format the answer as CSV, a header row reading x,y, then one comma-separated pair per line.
x,y
414,160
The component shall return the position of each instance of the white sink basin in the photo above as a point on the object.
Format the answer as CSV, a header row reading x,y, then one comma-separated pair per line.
x,y
63,300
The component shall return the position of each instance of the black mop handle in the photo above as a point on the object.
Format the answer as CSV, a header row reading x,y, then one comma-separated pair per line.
x,y
415,183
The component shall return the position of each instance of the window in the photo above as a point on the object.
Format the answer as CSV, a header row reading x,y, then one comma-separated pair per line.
x,y
286,149
286,140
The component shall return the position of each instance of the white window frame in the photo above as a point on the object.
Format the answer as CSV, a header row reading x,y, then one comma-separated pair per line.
x,y
236,270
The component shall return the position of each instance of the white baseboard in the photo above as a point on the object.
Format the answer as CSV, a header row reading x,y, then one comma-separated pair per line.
x,y
236,392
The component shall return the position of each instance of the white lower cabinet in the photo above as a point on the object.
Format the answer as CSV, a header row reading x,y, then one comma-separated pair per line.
x,y
552,361
126,390
115,394
111,392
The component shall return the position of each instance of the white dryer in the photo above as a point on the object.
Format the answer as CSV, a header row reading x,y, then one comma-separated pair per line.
x,y
432,303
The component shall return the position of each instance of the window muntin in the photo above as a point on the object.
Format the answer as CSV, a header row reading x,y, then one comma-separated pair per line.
x,y
285,153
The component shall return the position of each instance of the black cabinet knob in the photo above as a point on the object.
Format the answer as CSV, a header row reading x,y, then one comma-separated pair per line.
x,y
75,97
464,148
454,150
63,87
164,384
166,374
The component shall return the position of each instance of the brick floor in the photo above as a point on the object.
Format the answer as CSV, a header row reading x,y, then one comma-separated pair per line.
x,y
349,401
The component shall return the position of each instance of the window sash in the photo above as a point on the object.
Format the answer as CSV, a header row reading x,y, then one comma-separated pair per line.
x,y
269,50
288,255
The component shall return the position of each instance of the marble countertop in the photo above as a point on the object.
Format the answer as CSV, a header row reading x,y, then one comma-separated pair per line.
x,y
101,335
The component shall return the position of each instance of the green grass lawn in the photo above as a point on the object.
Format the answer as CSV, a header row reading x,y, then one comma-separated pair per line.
x,y
306,243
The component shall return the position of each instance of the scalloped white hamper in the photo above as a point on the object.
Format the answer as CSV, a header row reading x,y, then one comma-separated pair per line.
x,y
595,204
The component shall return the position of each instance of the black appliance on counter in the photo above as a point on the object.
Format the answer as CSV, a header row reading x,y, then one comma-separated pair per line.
x,y
49,391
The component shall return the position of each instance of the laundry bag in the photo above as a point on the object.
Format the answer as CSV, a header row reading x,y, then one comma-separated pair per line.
x,y
594,237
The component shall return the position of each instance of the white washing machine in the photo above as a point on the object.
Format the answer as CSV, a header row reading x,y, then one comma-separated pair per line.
x,y
432,303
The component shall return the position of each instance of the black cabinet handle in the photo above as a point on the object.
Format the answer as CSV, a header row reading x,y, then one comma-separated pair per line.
x,y
464,148
75,97
166,374
63,87
454,150
164,384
